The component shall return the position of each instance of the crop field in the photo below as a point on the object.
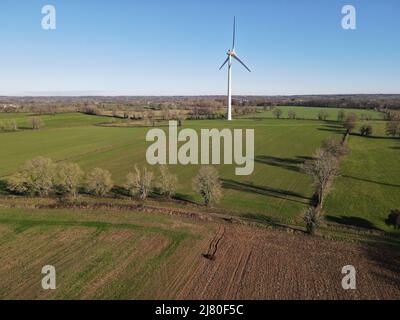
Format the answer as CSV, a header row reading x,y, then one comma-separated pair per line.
x,y
312,113
132,255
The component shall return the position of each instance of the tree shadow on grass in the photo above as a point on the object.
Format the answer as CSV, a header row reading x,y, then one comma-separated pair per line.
x,y
332,127
266,191
184,198
3,187
371,181
293,164
353,221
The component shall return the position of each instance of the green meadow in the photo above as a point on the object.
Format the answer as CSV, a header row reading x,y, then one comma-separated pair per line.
x,y
312,113
277,191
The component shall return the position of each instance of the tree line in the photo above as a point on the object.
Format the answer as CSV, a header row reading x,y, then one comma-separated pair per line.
x,y
43,177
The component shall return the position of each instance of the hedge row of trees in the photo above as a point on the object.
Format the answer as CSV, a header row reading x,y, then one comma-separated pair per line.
x,y
43,177
8,125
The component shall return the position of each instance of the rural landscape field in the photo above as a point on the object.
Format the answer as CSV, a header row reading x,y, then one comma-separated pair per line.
x,y
157,249
182,157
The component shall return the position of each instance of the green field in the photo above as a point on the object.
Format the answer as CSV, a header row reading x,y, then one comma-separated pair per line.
x,y
277,191
312,113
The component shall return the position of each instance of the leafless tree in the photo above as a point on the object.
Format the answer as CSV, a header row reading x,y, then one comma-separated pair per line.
x,y
207,185
277,113
167,182
98,182
139,183
322,169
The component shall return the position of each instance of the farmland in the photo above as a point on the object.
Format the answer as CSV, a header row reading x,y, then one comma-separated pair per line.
x,y
115,248
131,255
277,191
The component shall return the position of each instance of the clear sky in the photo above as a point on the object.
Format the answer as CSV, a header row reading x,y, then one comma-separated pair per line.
x,y
175,47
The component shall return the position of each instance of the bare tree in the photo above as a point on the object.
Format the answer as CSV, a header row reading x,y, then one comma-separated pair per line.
x,y
98,182
139,183
36,123
167,182
341,115
323,115
393,128
68,178
207,185
351,122
277,113
322,169
36,177
292,114
335,147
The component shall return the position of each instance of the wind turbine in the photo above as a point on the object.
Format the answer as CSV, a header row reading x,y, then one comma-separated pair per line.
x,y
232,54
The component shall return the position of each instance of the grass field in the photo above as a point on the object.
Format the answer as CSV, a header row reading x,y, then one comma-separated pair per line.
x,y
277,191
312,113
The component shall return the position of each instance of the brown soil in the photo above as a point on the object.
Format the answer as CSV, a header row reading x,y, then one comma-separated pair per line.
x,y
252,263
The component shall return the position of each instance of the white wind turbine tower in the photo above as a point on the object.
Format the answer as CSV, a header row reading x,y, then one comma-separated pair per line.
x,y
231,54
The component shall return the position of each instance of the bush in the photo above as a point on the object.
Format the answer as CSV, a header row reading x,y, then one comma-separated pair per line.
x,y
36,177
8,125
207,185
68,178
311,218
366,130
98,182
167,182
394,219
139,183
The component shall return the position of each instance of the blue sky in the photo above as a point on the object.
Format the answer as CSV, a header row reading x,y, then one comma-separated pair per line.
x,y
175,47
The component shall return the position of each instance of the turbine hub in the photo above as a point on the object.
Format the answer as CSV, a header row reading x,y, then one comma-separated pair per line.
x,y
231,53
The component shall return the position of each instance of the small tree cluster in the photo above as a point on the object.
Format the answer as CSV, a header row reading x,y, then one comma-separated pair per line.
x,y
42,177
8,125
341,115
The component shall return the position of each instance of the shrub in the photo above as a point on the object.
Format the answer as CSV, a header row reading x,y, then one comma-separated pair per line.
x,y
139,183
98,182
68,178
36,177
366,130
207,185
311,218
394,219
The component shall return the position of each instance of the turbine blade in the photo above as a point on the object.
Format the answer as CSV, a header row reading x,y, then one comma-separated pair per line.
x,y
227,59
234,33
237,58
